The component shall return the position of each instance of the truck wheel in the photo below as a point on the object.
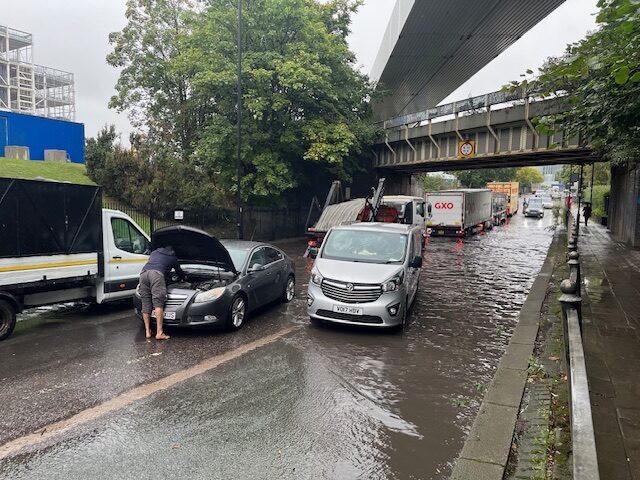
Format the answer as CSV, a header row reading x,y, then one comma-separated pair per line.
x,y
7,319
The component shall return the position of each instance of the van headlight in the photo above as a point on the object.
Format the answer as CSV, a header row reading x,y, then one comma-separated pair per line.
x,y
316,278
393,284
209,295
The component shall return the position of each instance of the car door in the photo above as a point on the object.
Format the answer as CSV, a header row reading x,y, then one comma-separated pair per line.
x,y
126,250
259,281
276,268
413,274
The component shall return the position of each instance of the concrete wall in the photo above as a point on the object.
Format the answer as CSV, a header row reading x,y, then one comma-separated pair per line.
x,y
624,207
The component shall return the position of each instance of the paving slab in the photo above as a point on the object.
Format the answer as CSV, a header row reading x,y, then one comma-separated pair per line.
x,y
472,469
516,356
507,387
490,438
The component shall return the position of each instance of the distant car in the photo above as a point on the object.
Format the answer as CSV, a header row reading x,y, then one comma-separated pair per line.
x,y
224,280
534,208
366,274
547,201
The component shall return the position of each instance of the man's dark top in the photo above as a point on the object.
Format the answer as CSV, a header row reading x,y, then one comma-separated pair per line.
x,y
163,260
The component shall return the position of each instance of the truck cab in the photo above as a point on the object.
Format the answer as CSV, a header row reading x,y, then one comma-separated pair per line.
x,y
411,209
126,249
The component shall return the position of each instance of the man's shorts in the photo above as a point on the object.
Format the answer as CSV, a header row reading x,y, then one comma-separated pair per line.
x,y
153,290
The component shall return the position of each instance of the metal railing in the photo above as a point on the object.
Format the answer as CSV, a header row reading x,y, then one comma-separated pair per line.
x,y
473,104
585,460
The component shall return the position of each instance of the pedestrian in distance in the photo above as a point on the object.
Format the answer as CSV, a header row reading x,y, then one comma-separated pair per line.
x,y
586,211
153,287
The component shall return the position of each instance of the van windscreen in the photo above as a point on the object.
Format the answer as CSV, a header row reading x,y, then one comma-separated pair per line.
x,y
365,246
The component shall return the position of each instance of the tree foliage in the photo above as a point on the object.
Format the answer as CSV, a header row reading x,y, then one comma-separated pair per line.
x,y
528,176
600,77
306,106
480,178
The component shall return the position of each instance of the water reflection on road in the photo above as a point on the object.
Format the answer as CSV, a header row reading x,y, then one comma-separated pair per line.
x,y
327,402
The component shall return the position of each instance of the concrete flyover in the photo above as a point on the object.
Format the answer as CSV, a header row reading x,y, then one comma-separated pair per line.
x,y
499,126
431,47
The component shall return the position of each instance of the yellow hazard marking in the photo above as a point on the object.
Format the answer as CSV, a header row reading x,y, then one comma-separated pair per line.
x,y
20,268
129,260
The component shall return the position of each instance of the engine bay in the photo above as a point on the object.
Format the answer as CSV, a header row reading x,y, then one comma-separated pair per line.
x,y
200,279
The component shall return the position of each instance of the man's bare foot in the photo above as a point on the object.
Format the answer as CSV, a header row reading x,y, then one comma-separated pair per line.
x,y
148,334
162,336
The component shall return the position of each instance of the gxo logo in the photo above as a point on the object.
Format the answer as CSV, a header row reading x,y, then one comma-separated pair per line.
x,y
444,206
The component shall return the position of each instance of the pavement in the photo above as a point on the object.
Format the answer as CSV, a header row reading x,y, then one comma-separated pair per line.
x,y
611,337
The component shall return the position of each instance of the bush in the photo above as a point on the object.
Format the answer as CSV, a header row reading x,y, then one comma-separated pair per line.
x,y
597,202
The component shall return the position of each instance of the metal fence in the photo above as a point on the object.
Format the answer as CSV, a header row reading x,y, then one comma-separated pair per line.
x,y
585,460
260,223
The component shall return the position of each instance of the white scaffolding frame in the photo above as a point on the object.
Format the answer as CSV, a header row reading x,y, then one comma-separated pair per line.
x,y
29,88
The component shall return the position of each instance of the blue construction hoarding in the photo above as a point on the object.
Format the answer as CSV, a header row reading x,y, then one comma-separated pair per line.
x,y
40,134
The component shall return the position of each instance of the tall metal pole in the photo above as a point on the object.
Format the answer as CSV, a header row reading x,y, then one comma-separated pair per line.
x,y
579,200
239,219
593,168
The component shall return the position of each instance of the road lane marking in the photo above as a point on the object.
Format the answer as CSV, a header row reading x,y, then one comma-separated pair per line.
x,y
50,431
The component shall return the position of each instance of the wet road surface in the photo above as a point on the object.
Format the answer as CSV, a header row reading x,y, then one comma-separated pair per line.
x,y
314,402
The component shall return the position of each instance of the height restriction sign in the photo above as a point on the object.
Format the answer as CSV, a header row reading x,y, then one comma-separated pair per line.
x,y
467,148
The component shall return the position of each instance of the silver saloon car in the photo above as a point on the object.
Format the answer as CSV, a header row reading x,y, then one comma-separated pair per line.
x,y
366,274
224,280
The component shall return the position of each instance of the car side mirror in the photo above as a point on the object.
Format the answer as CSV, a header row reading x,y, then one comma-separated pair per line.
x,y
416,262
256,267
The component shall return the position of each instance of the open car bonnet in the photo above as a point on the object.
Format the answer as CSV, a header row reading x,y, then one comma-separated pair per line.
x,y
193,246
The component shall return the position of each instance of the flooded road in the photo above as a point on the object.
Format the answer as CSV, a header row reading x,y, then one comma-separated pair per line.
x,y
312,402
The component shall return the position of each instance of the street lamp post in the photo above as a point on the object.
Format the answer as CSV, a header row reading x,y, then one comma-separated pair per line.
x,y
239,212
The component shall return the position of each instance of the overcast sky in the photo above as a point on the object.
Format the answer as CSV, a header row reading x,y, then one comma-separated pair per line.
x,y
71,35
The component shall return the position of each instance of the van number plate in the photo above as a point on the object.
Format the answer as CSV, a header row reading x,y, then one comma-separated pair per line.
x,y
347,310
167,315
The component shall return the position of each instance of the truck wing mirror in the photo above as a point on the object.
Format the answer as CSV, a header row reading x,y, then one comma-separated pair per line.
x,y
416,262
429,210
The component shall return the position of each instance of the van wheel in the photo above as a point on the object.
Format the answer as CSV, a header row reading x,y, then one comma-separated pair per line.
x,y
7,319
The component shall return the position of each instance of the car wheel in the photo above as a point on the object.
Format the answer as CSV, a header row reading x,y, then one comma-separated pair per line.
x,y
7,319
237,312
289,290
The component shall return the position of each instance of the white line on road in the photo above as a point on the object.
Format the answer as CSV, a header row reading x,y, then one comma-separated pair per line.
x,y
45,434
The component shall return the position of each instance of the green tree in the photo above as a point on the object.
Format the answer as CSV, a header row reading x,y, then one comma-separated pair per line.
x,y
480,178
433,183
307,106
528,176
600,78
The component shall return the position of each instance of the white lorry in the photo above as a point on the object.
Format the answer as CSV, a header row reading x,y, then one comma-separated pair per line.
x,y
458,212
57,244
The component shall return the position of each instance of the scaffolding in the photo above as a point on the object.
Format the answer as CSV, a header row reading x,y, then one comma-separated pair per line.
x,y
26,87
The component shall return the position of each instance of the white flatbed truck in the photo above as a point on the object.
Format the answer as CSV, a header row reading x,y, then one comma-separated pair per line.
x,y
57,245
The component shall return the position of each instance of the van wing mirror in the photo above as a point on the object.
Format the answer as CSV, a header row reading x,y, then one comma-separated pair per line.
x,y
416,262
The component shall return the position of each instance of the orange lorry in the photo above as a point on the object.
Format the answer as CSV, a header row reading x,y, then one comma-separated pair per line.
x,y
512,189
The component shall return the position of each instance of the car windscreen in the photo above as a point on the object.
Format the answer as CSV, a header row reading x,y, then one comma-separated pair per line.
x,y
535,203
365,246
238,256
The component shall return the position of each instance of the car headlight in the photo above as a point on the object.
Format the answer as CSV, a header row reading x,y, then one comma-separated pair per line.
x,y
209,295
393,284
316,278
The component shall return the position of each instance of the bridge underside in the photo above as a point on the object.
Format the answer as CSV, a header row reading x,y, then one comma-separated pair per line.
x,y
501,138
532,159
432,47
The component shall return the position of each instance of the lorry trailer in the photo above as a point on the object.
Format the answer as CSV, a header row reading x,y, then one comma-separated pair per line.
x,y
404,209
57,245
458,212
512,190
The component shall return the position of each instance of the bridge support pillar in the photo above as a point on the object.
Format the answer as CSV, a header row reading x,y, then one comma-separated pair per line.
x,y
400,183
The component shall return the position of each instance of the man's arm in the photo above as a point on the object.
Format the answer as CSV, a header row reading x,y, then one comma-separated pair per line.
x,y
178,269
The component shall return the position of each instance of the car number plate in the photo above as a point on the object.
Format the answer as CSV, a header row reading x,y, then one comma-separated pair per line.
x,y
347,310
167,315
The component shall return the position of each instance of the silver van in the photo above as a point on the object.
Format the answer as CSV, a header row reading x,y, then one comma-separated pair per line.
x,y
366,274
